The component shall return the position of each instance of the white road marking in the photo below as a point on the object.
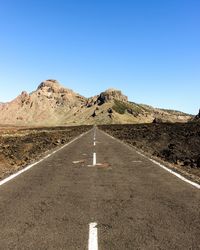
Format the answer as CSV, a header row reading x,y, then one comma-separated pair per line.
x,y
93,237
171,171
141,154
136,161
94,159
45,157
155,162
80,161
176,174
94,143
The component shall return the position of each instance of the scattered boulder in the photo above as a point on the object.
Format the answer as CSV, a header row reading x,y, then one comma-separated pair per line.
x,y
187,162
94,114
132,112
198,162
197,117
157,120
101,99
110,111
19,118
89,104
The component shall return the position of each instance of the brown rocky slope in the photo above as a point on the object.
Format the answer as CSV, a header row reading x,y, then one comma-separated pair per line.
x,y
52,105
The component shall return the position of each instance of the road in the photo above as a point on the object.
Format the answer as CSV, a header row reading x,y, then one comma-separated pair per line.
x,y
134,203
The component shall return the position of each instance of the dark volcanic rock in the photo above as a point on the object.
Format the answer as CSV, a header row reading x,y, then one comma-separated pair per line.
x,y
101,99
19,150
94,114
175,143
157,120
110,111
197,117
198,162
130,111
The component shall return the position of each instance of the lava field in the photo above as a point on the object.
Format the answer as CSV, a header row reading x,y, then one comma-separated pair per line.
x,y
177,144
22,146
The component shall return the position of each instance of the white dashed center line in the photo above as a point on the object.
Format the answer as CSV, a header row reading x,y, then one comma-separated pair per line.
x,y
94,159
93,237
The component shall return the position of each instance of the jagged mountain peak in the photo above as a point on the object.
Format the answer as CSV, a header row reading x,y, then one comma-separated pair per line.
x,y
110,90
54,84
111,94
53,104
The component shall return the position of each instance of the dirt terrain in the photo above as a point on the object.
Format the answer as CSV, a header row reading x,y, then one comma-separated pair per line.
x,y
22,146
177,144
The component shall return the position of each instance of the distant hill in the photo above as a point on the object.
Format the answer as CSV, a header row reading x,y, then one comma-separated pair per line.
x,y
52,104
196,118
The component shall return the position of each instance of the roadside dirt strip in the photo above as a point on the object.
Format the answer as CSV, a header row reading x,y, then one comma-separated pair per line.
x,y
97,193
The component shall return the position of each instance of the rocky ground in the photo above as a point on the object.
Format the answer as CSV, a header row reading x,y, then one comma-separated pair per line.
x,y
22,146
176,144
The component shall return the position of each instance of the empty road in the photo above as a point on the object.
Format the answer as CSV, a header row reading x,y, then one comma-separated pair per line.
x,y
97,193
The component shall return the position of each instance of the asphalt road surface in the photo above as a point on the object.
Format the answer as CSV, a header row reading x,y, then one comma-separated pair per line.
x,y
98,194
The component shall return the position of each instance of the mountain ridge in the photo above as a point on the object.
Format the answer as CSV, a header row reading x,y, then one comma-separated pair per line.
x,y
52,104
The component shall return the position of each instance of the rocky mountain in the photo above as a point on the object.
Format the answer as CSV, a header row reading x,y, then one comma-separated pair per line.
x,y
52,104
196,118
48,105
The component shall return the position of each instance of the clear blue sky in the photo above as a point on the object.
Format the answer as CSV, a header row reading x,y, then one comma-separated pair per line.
x,y
150,49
